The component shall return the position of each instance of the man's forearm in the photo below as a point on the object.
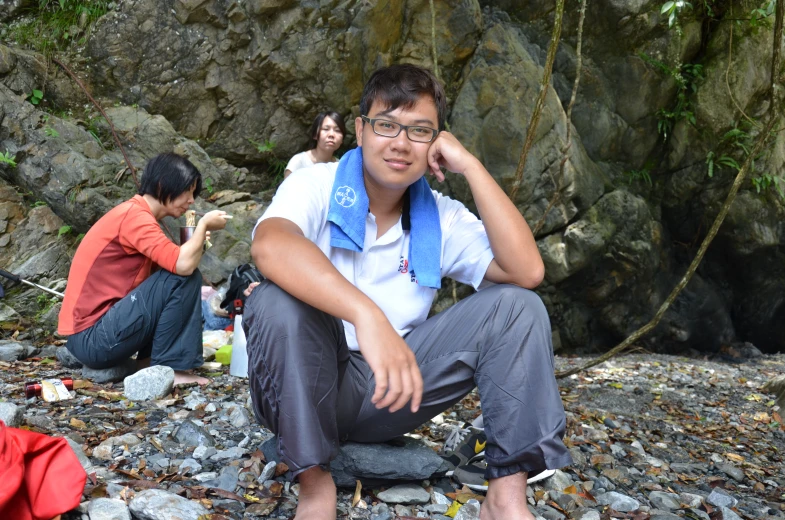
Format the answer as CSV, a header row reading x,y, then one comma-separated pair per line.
x,y
294,263
512,242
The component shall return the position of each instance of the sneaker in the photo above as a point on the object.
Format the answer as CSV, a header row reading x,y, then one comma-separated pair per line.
x,y
463,446
473,475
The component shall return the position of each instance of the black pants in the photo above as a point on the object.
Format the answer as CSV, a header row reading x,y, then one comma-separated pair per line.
x,y
313,392
161,319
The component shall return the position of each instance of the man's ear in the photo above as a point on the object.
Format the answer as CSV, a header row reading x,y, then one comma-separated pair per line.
x,y
358,129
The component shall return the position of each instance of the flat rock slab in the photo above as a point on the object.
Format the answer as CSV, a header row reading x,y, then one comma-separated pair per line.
x,y
405,494
149,383
156,504
110,375
403,459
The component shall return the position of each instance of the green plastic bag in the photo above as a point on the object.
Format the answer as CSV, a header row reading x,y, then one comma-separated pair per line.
x,y
224,355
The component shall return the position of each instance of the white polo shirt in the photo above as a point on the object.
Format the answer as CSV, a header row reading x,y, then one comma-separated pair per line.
x,y
381,270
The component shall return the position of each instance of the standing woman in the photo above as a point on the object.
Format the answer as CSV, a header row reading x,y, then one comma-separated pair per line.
x,y
326,133
130,289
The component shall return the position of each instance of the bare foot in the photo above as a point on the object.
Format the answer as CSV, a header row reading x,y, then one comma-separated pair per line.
x,y
506,499
318,496
182,378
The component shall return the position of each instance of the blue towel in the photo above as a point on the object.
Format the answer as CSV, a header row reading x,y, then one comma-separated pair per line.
x,y
349,209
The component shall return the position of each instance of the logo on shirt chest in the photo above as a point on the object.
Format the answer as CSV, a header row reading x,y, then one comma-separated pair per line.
x,y
403,268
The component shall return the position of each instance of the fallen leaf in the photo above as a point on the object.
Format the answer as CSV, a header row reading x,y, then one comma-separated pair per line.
x,y
357,493
453,509
78,424
734,457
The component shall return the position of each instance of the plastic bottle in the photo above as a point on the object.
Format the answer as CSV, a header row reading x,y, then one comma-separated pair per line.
x,y
239,364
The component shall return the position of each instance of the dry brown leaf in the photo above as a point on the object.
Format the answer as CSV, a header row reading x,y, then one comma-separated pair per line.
x,y
357,493
78,424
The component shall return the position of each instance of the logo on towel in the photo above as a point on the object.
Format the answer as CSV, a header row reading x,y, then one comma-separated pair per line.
x,y
345,196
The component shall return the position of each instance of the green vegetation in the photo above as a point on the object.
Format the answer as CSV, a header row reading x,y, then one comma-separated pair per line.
x,y
35,96
642,175
263,148
55,25
275,166
38,204
45,303
51,132
64,230
7,158
208,185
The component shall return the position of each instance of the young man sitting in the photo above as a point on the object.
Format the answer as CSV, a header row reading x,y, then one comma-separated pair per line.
x,y
338,336
115,306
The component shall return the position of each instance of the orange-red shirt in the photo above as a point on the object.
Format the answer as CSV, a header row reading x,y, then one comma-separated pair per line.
x,y
114,257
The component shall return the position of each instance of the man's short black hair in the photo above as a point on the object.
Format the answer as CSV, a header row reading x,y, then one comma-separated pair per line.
x,y
168,175
403,85
317,125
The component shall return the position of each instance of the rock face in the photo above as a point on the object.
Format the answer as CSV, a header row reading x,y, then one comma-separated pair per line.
x,y
213,79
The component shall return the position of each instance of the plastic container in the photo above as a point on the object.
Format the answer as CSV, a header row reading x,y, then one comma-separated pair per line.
x,y
239,365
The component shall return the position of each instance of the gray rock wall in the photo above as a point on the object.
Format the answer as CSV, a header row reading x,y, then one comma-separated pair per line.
x,y
205,78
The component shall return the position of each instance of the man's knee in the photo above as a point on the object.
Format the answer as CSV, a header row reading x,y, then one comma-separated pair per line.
x,y
519,299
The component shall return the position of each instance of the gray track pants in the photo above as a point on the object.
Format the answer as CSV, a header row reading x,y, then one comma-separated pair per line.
x,y
313,392
161,319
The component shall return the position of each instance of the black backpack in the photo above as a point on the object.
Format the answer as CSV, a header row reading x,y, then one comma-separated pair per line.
x,y
242,276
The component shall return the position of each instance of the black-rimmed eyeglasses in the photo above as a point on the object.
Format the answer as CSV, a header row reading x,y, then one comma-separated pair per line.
x,y
418,134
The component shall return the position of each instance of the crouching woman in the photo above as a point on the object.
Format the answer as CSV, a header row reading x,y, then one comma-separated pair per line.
x,y
130,289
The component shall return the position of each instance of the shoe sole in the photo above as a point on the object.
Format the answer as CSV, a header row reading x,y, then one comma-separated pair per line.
x,y
538,477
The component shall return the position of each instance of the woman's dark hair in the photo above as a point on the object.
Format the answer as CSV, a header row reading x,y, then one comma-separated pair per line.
x,y
403,85
317,125
168,175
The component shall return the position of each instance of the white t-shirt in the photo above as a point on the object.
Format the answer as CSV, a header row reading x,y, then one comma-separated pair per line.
x,y
381,269
298,161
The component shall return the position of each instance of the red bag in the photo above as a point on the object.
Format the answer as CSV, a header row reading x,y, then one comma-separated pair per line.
x,y
40,475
